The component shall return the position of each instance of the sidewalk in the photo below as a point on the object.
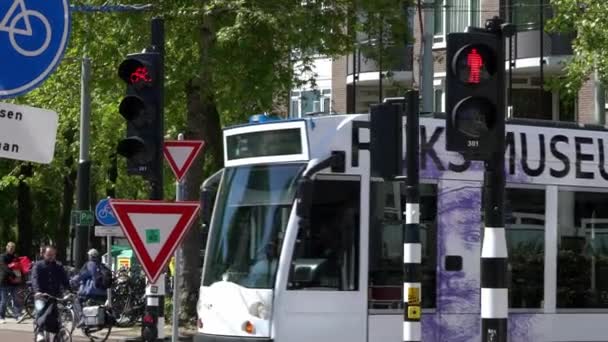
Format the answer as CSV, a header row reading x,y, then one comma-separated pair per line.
x,y
117,334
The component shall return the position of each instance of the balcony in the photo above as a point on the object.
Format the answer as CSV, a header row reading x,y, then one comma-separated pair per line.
x,y
530,36
397,66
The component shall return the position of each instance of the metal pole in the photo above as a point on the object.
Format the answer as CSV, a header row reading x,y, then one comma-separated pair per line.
x,y
600,100
109,251
155,293
542,59
494,255
380,52
412,248
84,164
427,57
179,196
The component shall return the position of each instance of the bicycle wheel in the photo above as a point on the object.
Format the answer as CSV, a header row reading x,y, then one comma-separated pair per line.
x,y
63,336
97,333
68,317
28,305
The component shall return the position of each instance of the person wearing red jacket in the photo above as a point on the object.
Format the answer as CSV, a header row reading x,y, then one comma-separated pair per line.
x,y
8,283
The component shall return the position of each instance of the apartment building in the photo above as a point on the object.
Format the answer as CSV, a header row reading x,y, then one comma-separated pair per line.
x,y
351,83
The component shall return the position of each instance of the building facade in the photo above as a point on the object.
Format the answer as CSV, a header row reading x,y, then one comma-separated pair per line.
x,y
351,83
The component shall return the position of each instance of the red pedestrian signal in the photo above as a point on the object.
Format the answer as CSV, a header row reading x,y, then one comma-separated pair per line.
x,y
475,63
474,93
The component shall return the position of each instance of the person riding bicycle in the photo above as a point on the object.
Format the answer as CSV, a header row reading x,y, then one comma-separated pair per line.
x,y
91,278
93,281
48,277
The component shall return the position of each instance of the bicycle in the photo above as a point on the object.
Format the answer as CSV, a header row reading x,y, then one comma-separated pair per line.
x,y
95,320
25,15
63,334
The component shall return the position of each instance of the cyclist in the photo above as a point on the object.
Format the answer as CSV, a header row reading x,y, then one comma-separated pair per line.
x,y
91,282
48,277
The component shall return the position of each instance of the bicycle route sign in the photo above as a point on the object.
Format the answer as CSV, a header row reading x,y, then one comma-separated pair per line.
x,y
105,214
33,37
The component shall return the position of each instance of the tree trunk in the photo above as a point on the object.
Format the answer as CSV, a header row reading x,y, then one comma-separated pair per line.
x,y
203,123
24,211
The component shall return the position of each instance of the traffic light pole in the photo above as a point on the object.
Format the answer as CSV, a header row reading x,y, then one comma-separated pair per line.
x,y
155,293
494,255
81,233
158,44
412,248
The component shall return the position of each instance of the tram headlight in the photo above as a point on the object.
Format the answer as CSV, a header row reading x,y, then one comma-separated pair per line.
x,y
259,310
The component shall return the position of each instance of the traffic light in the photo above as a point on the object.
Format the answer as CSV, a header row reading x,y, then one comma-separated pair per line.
x,y
386,139
142,107
474,92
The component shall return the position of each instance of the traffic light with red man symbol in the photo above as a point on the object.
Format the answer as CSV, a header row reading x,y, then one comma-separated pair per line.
x,y
474,92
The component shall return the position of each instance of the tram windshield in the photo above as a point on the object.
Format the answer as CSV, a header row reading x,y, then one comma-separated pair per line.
x,y
247,231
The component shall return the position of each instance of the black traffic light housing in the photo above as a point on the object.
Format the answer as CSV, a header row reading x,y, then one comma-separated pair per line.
x,y
142,109
386,139
475,115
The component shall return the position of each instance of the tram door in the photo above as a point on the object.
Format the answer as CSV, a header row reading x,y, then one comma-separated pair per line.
x,y
324,297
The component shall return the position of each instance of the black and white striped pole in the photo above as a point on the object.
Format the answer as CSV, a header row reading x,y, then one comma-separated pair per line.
x,y
412,248
494,256
494,287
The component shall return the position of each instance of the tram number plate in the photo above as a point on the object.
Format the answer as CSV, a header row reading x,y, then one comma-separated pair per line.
x,y
413,296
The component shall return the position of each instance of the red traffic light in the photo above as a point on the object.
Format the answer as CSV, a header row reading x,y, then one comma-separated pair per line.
x,y
137,71
474,64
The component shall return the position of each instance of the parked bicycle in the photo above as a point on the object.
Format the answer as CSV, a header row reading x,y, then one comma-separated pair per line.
x,y
128,298
63,333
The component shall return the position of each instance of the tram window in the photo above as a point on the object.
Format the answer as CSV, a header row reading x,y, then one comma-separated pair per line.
x,y
326,254
525,233
387,203
582,258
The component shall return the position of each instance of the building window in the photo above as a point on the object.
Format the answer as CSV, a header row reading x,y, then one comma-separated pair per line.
x,y
582,259
526,14
525,233
454,16
310,101
387,203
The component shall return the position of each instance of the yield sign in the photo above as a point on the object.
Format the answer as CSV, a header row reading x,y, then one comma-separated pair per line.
x,y
154,229
180,154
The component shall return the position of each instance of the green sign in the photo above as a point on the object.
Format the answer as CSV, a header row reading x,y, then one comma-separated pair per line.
x,y
83,218
153,235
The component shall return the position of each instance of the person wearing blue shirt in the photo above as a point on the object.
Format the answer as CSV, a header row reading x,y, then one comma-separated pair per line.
x,y
87,274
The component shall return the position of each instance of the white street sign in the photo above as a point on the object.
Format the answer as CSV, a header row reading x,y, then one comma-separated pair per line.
x,y
27,133
114,231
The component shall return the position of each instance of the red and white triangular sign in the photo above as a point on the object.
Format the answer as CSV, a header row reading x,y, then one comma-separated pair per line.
x,y
180,154
154,229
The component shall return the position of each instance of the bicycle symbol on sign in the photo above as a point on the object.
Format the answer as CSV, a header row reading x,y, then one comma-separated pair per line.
x,y
12,29
106,212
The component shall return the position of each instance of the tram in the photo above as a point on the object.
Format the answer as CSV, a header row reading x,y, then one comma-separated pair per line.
x,y
267,276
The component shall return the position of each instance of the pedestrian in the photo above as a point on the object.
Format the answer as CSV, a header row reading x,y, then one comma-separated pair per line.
x,y
9,283
48,277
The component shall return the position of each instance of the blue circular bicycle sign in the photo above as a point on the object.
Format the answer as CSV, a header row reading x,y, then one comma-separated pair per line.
x,y
105,214
33,37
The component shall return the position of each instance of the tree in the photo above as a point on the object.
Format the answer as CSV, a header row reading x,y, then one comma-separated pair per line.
x,y
585,18
225,60
247,49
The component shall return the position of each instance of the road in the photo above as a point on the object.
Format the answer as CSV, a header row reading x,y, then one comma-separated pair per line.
x,y
25,336
17,332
